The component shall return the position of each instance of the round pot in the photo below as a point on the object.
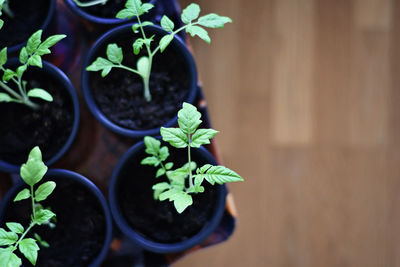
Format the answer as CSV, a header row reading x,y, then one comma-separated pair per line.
x,y
62,80
117,190
65,178
86,15
119,34
46,22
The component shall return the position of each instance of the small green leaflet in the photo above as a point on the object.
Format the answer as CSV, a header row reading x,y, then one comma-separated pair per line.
x,y
152,145
34,42
134,8
24,194
41,241
190,13
202,137
1,23
174,136
35,60
165,41
142,66
34,169
219,174
114,53
188,118
161,186
8,258
213,21
153,161
44,190
3,56
15,227
164,153
101,64
7,238
137,45
199,31
5,98
160,172
23,55
43,48
40,93
29,249
169,165
8,74
182,200
167,24
43,215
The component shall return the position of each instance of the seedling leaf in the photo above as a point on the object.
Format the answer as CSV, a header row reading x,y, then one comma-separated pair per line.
x,y
40,93
24,194
142,66
188,118
174,136
114,53
34,169
199,31
44,190
7,238
29,249
43,215
213,21
190,13
152,145
167,24
8,258
5,98
202,137
15,227
165,41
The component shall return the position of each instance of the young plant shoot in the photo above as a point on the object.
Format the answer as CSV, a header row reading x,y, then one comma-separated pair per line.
x,y
135,8
186,136
89,3
15,238
30,55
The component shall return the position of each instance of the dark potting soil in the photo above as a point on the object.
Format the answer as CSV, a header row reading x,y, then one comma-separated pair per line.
x,y
22,128
108,10
29,16
120,94
157,220
80,227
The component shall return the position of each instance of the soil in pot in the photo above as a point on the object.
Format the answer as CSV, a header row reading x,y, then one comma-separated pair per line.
x,y
80,228
22,128
29,17
159,221
108,10
120,94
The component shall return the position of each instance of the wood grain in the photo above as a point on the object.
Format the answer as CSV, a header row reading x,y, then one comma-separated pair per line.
x,y
306,96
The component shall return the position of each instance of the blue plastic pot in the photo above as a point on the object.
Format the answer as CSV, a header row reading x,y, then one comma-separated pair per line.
x,y
60,76
94,19
57,175
47,23
133,155
110,37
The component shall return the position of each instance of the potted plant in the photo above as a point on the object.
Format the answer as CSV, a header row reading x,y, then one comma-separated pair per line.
x,y
23,18
138,92
80,222
138,191
40,104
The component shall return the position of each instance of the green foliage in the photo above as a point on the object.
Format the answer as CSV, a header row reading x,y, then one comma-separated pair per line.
x,y
1,8
193,24
89,3
29,56
187,135
32,173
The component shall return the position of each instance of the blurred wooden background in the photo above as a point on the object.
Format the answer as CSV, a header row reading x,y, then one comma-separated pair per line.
x,y
306,94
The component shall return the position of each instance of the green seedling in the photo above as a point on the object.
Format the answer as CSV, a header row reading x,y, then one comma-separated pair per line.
x,y
135,8
186,136
32,173
2,3
30,55
89,3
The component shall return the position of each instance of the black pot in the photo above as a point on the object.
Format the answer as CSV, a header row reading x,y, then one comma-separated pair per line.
x,y
126,182
63,82
179,52
83,189
44,23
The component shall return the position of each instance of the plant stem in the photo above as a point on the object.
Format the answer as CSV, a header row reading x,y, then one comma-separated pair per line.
x,y
190,163
33,202
89,3
23,235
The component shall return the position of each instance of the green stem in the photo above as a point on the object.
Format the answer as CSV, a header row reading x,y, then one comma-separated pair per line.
x,y
23,235
89,3
190,163
10,91
33,202
127,68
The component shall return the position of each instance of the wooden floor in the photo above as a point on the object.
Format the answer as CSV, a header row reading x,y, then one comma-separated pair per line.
x,y
306,95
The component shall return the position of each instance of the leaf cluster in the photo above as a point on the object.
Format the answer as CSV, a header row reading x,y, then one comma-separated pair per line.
x,y
187,135
32,172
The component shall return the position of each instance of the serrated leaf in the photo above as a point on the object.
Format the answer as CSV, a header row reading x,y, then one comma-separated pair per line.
x,y
169,194
125,14
142,66
99,64
43,215
199,31
23,194
8,258
8,74
114,53
3,56
167,24
34,169
23,55
44,190
5,98
43,48
189,118
15,227
174,136
137,45
182,200
202,137
160,172
33,42
191,12
220,175
152,145
29,249
213,21
146,7
40,93
153,161
165,41
164,153
35,60
7,238
169,165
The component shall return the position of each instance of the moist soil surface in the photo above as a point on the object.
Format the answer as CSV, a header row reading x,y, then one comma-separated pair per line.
x,y
29,16
159,221
120,94
22,128
80,228
108,10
